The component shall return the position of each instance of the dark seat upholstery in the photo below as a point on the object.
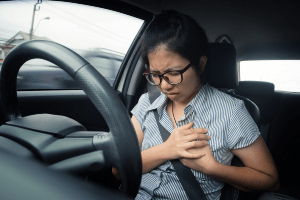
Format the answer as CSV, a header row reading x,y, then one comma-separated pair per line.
x,y
262,94
223,76
222,69
284,142
279,119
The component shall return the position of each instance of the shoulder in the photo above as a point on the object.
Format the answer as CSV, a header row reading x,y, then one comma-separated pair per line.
x,y
222,100
142,105
141,108
144,100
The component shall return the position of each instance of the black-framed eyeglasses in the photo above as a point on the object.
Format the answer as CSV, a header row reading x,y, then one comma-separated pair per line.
x,y
172,77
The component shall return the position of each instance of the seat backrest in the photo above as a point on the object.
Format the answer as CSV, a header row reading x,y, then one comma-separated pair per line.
x,y
280,129
262,94
223,76
284,138
222,68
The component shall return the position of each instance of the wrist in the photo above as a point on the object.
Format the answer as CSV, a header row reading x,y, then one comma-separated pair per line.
x,y
165,151
213,170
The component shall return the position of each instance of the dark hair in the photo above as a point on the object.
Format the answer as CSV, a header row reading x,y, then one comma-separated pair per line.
x,y
180,34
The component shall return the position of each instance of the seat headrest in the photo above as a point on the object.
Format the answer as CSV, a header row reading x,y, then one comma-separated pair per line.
x,y
223,71
255,88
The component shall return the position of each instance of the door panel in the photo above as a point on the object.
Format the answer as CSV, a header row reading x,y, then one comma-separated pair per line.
x,y
70,103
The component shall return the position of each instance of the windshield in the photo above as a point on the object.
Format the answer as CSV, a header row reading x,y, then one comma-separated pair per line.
x,y
101,36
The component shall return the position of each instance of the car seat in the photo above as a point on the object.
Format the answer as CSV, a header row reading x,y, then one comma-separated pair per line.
x,y
262,94
223,76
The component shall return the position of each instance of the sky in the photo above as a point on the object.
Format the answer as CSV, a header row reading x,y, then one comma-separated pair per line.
x,y
73,25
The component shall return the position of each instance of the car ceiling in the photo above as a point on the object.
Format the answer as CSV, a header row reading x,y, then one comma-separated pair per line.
x,y
259,29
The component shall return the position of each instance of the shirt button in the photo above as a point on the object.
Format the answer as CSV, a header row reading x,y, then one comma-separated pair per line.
x,y
157,183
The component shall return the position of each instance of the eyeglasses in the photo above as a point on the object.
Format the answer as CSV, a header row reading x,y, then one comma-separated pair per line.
x,y
171,77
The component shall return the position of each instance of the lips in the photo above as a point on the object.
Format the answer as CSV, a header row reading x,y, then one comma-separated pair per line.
x,y
171,93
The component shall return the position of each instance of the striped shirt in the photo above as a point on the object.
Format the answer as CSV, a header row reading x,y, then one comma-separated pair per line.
x,y
228,122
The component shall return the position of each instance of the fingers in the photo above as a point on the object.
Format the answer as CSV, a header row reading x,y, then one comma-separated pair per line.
x,y
193,145
196,144
200,130
115,173
190,126
187,126
192,155
185,137
197,136
188,129
195,131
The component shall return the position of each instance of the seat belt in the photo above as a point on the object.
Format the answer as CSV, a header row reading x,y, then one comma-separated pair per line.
x,y
185,175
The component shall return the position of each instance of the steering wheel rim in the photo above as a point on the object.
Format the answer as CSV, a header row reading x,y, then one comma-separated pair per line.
x,y
126,160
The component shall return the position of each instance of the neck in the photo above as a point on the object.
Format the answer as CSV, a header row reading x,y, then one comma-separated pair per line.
x,y
187,101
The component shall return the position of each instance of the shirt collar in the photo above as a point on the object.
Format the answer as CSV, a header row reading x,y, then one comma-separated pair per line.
x,y
159,103
202,103
198,103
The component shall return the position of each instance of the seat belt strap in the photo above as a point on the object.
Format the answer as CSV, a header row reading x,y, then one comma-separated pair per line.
x,y
185,175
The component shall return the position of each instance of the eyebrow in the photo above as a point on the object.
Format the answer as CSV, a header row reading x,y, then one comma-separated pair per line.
x,y
169,69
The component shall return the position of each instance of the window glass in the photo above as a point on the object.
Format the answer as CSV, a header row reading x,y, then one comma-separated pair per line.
x,y
99,35
285,74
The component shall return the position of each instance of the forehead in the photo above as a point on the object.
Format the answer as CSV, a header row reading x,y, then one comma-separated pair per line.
x,y
161,59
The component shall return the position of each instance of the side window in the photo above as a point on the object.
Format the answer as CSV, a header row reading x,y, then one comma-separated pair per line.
x,y
99,35
285,74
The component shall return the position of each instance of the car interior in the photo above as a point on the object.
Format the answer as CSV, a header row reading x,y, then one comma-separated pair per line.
x,y
62,143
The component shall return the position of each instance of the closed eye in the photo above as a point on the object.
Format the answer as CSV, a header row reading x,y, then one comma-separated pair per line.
x,y
173,73
154,75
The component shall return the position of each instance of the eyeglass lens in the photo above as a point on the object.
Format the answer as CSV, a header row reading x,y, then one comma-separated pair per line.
x,y
170,77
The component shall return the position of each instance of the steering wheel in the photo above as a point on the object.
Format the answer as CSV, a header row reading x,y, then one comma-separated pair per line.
x,y
119,147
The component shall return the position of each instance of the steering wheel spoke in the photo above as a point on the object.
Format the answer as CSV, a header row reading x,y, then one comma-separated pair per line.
x,y
104,141
83,165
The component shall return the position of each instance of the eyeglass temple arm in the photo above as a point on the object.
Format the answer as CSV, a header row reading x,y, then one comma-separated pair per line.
x,y
147,71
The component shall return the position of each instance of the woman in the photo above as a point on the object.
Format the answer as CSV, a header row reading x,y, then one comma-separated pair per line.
x,y
207,126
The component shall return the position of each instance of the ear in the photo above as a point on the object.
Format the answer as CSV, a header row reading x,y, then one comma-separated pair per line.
x,y
202,63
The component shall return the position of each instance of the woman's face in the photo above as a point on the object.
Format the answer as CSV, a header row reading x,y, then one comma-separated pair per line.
x,y
162,60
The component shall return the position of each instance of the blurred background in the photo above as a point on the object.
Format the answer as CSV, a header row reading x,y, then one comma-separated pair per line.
x,y
100,36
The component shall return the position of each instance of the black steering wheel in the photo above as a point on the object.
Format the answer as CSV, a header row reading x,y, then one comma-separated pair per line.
x,y
120,146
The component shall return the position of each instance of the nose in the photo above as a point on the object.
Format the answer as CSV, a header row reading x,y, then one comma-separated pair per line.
x,y
165,85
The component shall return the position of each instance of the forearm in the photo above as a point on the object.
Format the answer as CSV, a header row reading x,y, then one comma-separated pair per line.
x,y
244,178
154,157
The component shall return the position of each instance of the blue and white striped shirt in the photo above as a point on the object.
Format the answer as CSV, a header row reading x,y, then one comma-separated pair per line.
x,y
228,122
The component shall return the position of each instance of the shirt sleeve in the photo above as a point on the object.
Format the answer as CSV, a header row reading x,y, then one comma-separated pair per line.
x,y
243,131
139,110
